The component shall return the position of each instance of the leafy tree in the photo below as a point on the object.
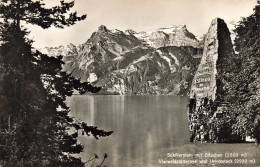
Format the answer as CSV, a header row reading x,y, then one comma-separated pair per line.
x,y
246,82
33,87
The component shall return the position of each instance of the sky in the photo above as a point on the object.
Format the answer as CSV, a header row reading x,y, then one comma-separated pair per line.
x,y
141,15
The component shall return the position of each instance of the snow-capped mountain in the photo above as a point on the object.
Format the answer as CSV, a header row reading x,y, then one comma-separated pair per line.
x,y
126,62
172,36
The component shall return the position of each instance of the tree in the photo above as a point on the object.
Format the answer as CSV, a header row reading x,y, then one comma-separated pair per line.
x,y
246,83
34,12
33,87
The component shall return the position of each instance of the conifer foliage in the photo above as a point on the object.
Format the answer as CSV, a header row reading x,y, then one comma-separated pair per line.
x,y
245,88
32,88
35,12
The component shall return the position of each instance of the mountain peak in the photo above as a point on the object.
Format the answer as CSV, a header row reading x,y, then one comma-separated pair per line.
x,y
172,29
176,35
130,31
102,28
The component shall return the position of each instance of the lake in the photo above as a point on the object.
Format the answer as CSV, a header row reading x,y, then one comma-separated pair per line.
x,y
149,131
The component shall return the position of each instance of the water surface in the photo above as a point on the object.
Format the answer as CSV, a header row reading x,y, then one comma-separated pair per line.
x,y
146,129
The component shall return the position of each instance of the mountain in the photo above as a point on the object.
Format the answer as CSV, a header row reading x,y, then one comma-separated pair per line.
x,y
127,62
172,36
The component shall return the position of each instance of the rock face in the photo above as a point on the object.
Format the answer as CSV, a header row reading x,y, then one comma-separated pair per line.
x,y
204,82
158,71
217,50
162,62
208,112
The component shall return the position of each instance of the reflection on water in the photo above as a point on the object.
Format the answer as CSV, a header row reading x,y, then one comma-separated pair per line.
x,y
142,125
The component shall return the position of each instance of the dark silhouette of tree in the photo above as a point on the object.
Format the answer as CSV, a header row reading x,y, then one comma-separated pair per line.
x,y
35,12
246,79
33,132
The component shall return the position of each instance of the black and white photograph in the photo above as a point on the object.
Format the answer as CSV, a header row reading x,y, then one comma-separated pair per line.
x,y
129,83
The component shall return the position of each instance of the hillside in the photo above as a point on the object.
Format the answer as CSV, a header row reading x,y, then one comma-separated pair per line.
x,y
159,62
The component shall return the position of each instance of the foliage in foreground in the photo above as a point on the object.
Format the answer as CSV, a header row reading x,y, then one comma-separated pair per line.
x,y
212,122
245,86
32,87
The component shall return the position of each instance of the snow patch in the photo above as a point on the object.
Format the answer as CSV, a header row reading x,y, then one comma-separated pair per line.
x,y
171,29
92,77
175,59
159,64
140,59
118,58
115,30
143,35
159,52
168,60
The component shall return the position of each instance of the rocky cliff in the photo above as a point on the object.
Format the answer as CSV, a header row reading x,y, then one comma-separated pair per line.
x,y
216,54
209,114
159,62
